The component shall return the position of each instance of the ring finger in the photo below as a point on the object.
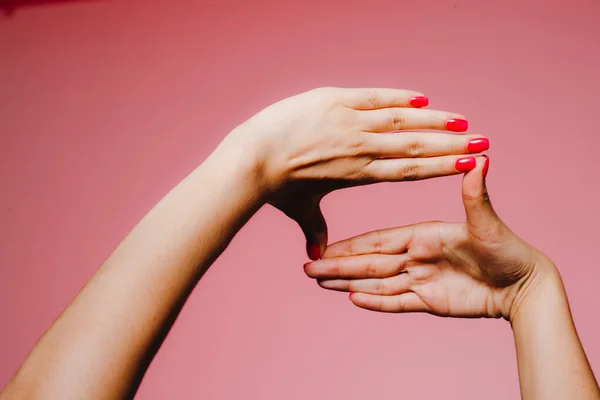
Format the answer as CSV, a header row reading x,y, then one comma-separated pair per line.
x,y
411,169
419,144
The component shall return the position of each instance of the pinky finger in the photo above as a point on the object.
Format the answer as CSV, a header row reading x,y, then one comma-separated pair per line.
x,y
412,169
402,303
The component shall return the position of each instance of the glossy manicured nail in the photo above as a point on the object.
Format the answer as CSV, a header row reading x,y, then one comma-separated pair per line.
x,y
457,125
313,251
478,145
465,164
486,166
419,101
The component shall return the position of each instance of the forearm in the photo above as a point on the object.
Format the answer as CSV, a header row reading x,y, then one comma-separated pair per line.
x,y
552,362
102,344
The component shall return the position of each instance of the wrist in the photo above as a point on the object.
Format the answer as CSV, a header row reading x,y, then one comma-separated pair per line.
x,y
239,162
541,285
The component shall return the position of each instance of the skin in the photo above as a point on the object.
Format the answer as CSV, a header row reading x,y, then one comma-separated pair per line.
x,y
475,269
289,155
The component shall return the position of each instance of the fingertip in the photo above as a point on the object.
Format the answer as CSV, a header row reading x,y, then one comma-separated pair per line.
x,y
478,163
457,125
478,145
419,101
465,164
473,185
306,268
486,166
313,251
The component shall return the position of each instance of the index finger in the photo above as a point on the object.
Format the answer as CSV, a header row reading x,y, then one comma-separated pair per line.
x,y
359,267
375,98
385,241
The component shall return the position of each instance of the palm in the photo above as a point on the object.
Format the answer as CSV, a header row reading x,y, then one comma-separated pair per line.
x,y
448,273
469,269
450,292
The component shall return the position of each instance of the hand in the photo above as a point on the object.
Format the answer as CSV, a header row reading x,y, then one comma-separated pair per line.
x,y
478,268
331,138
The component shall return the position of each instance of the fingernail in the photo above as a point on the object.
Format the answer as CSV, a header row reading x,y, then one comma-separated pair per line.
x,y
486,166
465,164
313,251
419,101
457,125
478,145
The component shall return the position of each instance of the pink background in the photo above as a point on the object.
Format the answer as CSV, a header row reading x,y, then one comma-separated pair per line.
x,y
105,105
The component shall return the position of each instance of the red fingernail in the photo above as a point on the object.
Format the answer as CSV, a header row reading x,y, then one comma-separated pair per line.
x,y
313,251
419,101
465,164
457,125
486,166
478,145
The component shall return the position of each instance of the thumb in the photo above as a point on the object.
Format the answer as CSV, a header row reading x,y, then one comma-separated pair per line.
x,y
314,227
480,213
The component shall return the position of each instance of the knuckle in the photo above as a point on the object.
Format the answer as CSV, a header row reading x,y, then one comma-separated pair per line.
x,y
337,268
349,247
377,242
373,99
380,287
415,147
371,270
380,305
411,172
347,119
400,305
357,147
352,286
486,196
399,266
324,94
322,90
363,172
397,120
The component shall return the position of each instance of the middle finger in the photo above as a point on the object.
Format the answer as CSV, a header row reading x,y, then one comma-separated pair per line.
x,y
399,119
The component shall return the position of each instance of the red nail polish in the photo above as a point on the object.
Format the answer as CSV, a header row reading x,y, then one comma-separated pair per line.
x,y
457,125
486,166
478,145
465,164
419,101
313,251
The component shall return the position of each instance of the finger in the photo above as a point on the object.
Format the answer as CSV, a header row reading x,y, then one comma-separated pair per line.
x,y
402,303
413,169
478,207
375,98
364,266
389,286
399,119
419,144
314,227
384,241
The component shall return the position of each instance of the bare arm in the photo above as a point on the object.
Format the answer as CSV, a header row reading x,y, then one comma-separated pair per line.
x,y
552,362
102,344
475,269
289,155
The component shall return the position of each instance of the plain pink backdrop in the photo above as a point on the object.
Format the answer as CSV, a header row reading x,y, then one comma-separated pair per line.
x,y
105,105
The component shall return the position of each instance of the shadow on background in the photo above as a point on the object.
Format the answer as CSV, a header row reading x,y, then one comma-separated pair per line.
x,y
9,7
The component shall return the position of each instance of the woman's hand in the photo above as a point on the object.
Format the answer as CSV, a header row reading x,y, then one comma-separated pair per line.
x,y
330,138
478,268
